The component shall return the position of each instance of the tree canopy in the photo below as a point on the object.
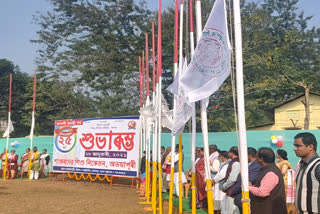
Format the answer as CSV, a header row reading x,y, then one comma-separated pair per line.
x,y
88,62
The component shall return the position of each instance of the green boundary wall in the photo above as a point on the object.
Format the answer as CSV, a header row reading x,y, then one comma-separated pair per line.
x,y
224,140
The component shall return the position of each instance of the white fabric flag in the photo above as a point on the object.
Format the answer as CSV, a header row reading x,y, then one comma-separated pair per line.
x,y
166,114
183,110
32,126
210,65
9,129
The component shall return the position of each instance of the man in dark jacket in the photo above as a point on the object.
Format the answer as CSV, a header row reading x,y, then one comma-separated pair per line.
x,y
254,168
268,194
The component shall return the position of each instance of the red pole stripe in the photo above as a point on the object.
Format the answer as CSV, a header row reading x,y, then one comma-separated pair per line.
x,y
160,39
191,15
142,77
153,60
10,89
176,32
34,91
147,64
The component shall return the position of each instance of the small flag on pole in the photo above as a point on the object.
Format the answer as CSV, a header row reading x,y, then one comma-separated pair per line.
x,y
183,111
210,65
9,129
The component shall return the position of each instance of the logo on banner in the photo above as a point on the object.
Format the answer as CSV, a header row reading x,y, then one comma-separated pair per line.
x,y
211,61
66,138
132,124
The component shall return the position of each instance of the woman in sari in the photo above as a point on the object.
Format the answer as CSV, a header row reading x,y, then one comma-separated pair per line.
x,y
200,182
288,177
24,166
12,164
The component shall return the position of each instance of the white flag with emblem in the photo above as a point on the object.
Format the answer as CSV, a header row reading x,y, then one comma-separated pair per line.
x,y
183,109
210,65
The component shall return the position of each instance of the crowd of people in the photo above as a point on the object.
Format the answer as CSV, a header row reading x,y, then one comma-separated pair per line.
x,y
40,164
274,185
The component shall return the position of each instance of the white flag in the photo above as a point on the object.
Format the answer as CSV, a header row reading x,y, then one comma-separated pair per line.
x,y
32,126
210,65
166,114
183,110
9,129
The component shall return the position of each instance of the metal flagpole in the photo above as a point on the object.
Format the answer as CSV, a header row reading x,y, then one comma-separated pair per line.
x,y
154,145
173,138
147,119
180,72
8,128
241,108
204,122
193,135
160,102
32,123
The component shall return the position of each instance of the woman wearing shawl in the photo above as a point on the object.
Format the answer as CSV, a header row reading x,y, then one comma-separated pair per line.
x,y
200,181
44,163
24,165
288,177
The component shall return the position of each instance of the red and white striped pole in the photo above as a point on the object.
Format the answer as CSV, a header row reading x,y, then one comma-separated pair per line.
x,y
159,73
8,129
175,70
32,121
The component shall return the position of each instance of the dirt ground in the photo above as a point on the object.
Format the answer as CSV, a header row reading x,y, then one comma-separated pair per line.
x,y
53,197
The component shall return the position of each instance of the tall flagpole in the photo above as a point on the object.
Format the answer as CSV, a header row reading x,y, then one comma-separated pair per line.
x,y
144,133
9,123
160,101
193,135
155,127
180,72
204,122
140,82
32,122
241,108
147,119
175,70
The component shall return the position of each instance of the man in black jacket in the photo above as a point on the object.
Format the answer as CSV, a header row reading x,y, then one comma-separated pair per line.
x,y
254,168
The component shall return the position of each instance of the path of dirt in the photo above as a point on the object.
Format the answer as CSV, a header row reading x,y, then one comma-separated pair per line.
x,y
53,197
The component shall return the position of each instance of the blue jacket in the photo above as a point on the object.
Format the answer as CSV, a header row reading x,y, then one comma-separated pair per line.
x,y
254,169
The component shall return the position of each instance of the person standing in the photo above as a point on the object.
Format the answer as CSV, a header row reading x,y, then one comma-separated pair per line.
x,y
217,182
35,165
307,196
163,171
24,165
44,163
286,170
3,161
201,182
143,174
12,164
176,171
232,173
254,169
214,160
166,169
267,193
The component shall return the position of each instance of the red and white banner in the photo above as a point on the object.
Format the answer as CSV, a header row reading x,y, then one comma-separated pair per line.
x,y
97,146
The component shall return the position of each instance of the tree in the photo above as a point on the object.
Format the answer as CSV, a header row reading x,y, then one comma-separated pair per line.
x,y
99,42
19,83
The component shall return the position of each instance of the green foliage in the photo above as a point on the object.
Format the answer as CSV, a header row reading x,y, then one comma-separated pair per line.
x,y
19,82
99,42
89,53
